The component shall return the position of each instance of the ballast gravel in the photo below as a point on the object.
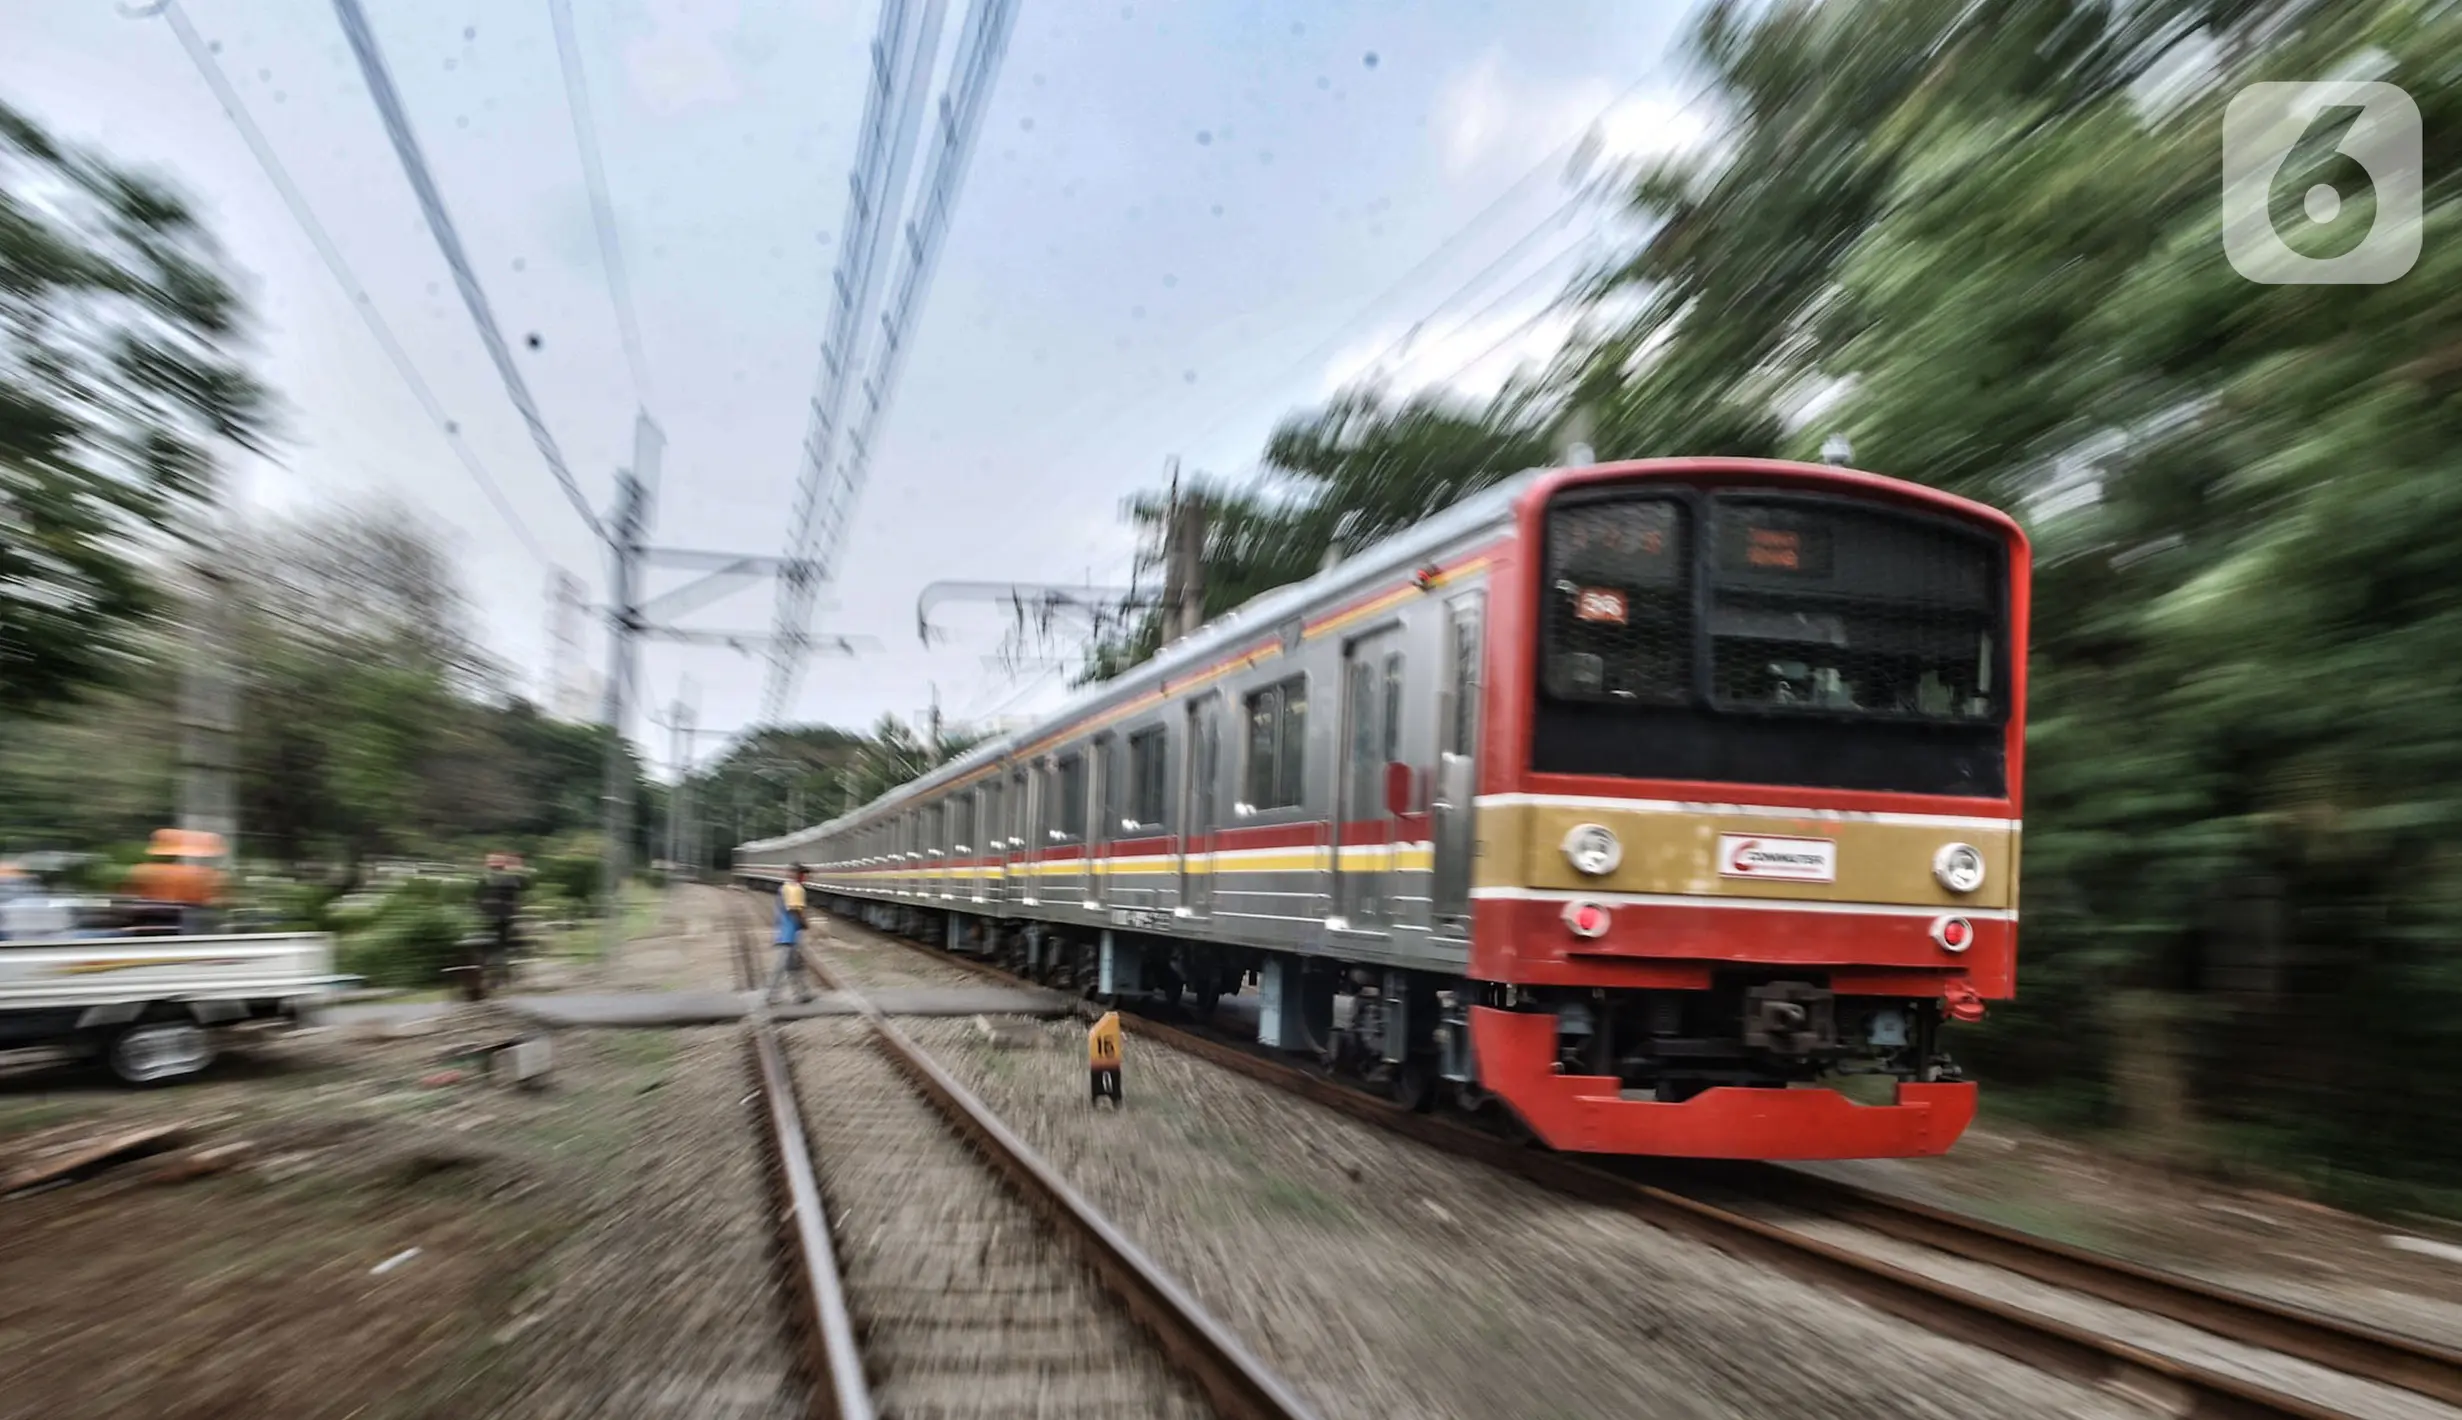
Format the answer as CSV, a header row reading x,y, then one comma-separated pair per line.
x,y
1383,1279
964,1303
666,1301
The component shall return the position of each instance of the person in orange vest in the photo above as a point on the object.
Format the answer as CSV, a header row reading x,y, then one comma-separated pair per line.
x,y
180,874
790,939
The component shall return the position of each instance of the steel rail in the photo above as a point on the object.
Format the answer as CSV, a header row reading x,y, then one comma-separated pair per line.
x,y
2169,1386
1236,1383
832,1361
2334,1342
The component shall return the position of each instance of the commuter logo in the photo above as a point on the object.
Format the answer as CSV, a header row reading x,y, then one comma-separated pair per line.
x,y
2321,183
1794,860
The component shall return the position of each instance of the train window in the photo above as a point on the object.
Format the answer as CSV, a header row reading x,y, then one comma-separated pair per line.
x,y
961,823
1277,745
995,827
1147,765
1389,738
1462,719
1821,607
1068,809
1107,784
1619,606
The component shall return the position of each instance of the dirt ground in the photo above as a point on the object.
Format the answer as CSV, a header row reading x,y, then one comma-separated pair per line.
x,y
596,1246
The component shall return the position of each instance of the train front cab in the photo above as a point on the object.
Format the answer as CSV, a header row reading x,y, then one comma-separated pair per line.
x,y
1748,811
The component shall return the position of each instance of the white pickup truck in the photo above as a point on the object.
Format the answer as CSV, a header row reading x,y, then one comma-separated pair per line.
x,y
149,1006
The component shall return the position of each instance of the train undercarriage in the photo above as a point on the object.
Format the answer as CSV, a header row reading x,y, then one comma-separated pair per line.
x,y
1752,1067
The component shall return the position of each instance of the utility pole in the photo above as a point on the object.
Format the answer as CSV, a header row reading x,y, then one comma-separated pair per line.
x,y
208,728
623,620
563,699
1573,438
634,489
1183,563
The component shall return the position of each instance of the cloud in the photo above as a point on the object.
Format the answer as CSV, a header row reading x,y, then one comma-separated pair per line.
x,y
684,62
1490,115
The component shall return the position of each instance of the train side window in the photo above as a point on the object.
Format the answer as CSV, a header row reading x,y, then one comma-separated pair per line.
x,y
1277,745
1462,731
1068,811
1389,737
1148,764
1107,785
961,823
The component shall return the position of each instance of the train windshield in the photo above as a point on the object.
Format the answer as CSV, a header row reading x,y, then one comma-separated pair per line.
x,y
1794,605
1703,624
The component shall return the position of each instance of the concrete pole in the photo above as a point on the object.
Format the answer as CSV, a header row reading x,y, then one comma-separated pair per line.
x,y
623,622
209,719
635,488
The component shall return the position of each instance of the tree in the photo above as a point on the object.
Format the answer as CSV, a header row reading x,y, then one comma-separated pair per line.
x,y
116,386
1982,240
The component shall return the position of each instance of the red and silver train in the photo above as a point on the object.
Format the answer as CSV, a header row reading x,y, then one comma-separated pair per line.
x,y
1647,803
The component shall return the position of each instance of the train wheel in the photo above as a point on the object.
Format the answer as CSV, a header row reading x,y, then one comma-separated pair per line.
x,y
1413,1084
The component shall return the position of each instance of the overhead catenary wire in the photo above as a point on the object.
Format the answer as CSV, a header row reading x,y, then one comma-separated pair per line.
x,y
396,121
1504,260
602,207
201,56
981,45
1443,251
902,53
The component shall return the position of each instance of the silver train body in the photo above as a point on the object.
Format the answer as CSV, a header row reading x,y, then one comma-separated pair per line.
x,y
1239,789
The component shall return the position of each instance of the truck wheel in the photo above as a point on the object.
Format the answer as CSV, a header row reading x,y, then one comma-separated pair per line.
x,y
154,1051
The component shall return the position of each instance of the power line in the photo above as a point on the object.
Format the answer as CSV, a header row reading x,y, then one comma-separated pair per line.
x,y
981,45
431,203
1503,260
1429,262
202,58
902,53
602,209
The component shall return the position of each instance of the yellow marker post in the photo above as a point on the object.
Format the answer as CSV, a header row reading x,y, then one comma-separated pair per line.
x,y
1103,1058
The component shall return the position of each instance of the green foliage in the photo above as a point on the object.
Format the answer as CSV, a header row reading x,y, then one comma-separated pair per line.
x,y
1983,241
116,317
414,935
576,877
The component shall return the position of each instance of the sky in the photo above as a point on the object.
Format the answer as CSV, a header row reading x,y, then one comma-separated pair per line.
x,y
1183,222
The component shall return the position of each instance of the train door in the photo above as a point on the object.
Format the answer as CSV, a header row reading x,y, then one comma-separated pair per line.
x,y
1364,824
1034,844
1457,777
1071,883
986,841
1201,804
1103,820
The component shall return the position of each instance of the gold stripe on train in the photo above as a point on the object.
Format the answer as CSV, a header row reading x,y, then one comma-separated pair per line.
x,y
1522,845
1364,857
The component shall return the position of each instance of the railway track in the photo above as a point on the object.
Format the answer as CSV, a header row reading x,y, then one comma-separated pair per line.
x,y
947,1271
2403,1375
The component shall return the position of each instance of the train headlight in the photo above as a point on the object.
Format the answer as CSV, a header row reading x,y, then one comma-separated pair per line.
x,y
1592,849
1959,867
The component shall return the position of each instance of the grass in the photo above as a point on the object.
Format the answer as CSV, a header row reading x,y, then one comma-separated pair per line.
x,y
26,1116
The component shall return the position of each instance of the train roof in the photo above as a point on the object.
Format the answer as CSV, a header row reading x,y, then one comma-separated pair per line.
x,y
1217,638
